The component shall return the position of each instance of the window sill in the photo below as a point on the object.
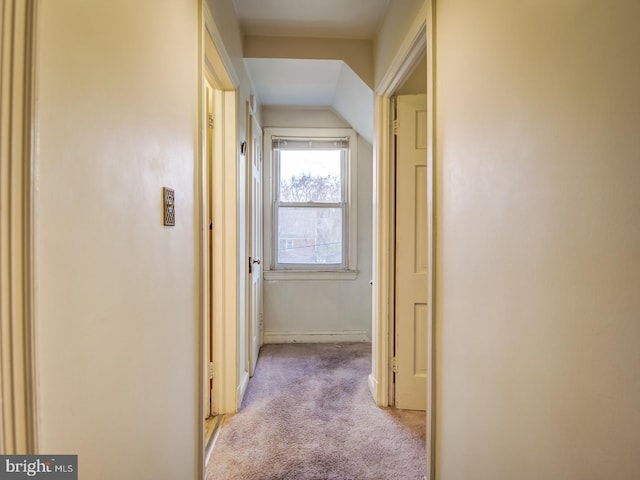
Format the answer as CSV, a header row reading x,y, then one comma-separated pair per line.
x,y
310,275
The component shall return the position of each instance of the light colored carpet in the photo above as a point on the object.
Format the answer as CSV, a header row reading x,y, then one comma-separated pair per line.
x,y
308,415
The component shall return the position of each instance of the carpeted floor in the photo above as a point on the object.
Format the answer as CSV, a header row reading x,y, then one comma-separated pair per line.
x,y
308,415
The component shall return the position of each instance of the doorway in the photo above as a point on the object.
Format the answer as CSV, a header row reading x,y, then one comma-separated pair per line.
x,y
416,48
217,250
210,410
402,309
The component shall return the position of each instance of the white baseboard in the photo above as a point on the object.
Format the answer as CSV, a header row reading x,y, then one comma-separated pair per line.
x,y
315,337
373,387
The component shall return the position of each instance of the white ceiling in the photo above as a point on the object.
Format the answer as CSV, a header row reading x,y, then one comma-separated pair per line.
x,y
355,19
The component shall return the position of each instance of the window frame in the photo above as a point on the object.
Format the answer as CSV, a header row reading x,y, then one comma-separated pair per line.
x,y
341,204
285,271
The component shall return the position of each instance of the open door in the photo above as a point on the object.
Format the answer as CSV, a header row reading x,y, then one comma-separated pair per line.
x,y
410,366
254,174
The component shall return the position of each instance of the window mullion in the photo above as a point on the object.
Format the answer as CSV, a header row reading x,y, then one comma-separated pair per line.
x,y
310,204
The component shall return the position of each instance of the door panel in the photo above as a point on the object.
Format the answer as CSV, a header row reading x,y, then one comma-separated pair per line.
x,y
419,345
411,253
421,219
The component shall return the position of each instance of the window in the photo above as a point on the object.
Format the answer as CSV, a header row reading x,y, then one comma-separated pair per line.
x,y
312,212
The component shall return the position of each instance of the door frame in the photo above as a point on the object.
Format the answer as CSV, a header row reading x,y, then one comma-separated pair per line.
x,y
418,41
223,289
18,410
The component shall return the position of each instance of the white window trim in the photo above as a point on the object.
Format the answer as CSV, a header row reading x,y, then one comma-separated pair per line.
x,y
316,273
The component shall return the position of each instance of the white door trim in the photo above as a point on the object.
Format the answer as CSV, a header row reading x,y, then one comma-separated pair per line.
x,y
225,214
18,409
221,62
419,40
224,290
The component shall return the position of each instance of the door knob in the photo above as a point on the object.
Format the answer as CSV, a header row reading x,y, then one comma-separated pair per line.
x,y
256,260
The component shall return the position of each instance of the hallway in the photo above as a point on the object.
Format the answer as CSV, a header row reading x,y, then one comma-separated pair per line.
x,y
532,199
308,414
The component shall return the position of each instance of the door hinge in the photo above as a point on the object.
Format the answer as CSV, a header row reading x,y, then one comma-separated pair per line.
x,y
211,370
394,365
396,127
210,120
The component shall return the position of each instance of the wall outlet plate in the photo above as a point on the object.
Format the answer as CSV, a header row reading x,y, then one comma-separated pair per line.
x,y
169,208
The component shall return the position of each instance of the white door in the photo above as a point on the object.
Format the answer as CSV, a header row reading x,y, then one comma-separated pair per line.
x,y
411,253
255,238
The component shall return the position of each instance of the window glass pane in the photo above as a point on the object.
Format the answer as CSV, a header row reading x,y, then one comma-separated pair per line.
x,y
310,176
310,235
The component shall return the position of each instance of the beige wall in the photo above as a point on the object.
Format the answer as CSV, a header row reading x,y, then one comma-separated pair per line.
x,y
302,117
416,83
538,201
116,299
399,17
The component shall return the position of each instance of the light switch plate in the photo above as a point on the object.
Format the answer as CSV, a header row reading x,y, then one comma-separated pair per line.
x,y
169,211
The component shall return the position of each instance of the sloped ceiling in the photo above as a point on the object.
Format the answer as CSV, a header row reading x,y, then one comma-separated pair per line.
x,y
314,83
295,82
299,82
